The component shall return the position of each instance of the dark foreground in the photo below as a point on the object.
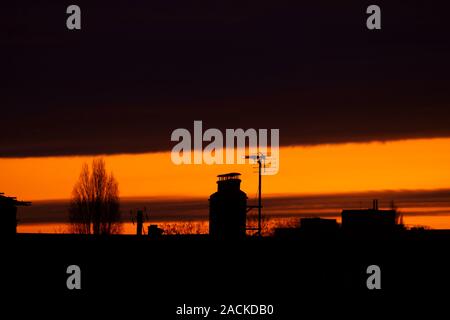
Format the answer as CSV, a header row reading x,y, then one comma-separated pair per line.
x,y
326,276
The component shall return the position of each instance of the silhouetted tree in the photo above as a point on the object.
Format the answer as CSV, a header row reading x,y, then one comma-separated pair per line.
x,y
95,206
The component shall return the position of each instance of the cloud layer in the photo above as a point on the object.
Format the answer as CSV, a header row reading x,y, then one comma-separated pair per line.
x,y
135,73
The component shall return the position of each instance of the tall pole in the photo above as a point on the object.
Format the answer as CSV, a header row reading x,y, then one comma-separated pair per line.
x,y
140,222
259,197
258,158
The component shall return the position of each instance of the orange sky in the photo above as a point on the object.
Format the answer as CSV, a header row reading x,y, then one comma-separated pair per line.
x,y
409,164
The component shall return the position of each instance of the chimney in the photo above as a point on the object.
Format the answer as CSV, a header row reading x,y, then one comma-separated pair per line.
x,y
375,204
139,222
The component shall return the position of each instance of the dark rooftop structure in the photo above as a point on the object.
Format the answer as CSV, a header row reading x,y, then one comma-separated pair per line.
x,y
369,220
229,181
8,214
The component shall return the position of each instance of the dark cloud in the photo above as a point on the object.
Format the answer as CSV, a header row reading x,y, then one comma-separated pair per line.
x,y
136,71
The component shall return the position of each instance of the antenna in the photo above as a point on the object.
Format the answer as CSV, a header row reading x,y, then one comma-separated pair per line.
x,y
260,159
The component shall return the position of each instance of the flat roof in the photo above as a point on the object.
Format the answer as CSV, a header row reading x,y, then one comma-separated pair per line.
x,y
231,174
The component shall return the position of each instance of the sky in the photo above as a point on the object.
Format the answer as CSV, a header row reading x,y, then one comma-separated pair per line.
x,y
357,110
314,180
420,164
136,71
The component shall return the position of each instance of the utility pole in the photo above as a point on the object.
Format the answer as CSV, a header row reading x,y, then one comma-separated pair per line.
x,y
259,159
259,197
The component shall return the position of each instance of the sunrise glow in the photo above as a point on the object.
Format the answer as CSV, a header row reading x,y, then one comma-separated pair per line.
x,y
397,165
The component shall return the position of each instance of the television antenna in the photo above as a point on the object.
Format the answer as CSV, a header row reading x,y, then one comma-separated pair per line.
x,y
260,159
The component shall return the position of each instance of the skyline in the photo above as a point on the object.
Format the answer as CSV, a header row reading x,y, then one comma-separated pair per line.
x,y
412,173
358,110
419,208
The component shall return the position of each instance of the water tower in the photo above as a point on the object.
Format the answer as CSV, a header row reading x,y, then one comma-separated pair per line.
x,y
228,208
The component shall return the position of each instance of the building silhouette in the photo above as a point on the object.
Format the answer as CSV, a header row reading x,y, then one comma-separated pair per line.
x,y
369,220
8,214
154,231
228,208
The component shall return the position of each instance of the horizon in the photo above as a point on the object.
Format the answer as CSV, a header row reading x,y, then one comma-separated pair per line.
x,y
419,208
394,170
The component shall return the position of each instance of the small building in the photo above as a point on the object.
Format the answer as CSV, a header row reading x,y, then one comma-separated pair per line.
x,y
228,208
369,220
154,231
8,214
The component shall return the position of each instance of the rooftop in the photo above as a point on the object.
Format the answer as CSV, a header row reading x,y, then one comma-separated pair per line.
x,y
12,201
229,176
